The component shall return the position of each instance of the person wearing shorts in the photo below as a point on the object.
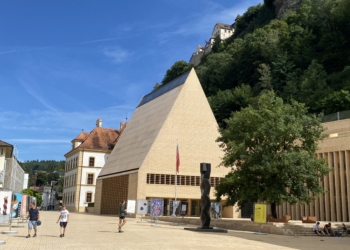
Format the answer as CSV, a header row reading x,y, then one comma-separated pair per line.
x,y
33,217
63,219
122,219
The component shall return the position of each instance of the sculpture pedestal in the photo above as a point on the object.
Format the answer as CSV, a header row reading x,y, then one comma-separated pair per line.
x,y
206,230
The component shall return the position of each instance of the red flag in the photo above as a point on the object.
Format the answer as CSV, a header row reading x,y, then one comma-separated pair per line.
x,y
177,159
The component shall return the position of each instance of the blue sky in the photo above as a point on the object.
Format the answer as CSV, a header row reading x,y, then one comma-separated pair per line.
x,y
64,64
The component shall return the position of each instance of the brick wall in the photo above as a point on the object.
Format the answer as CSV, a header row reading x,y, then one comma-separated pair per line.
x,y
114,190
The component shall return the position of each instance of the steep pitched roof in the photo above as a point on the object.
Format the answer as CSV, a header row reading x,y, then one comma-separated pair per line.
x,y
158,121
81,137
2,143
224,26
100,138
164,89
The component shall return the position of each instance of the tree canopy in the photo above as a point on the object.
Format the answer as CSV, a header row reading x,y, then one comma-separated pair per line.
x,y
176,70
47,171
34,194
271,147
305,56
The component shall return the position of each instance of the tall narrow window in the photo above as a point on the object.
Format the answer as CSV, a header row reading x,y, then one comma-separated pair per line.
x,y
91,161
88,197
90,179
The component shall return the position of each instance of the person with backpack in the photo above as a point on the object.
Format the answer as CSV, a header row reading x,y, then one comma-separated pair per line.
x,y
122,213
63,219
34,218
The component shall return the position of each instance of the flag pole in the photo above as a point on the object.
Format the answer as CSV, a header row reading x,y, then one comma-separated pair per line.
x,y
175,180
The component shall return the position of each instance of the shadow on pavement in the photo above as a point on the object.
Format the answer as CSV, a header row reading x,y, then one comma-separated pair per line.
x,y
293,242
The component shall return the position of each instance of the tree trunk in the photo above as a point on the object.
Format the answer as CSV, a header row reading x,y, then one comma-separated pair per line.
x,y
273,210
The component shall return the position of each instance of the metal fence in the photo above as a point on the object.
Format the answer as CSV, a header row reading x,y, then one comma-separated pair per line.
x,y
336,116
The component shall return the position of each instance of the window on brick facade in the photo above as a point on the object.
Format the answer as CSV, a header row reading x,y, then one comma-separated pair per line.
x,y
88,197
91,161
90,179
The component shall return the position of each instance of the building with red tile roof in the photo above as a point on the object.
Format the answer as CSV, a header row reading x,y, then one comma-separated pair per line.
x,y
84,161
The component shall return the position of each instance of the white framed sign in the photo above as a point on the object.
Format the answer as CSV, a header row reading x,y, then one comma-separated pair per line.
x,y
130,206
142,206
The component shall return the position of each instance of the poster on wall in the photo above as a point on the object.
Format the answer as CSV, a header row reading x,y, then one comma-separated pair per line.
x,y
24,205
5,206
16,205
174,206
184,208
142,206
157,206
130,206
216,210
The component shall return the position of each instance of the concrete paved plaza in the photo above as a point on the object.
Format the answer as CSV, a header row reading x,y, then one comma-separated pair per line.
x,y
87,231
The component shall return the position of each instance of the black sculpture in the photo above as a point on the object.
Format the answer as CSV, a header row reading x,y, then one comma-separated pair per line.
x,y
205,169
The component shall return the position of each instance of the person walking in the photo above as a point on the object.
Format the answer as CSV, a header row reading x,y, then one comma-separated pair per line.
x,y
34,217
122,213
63,219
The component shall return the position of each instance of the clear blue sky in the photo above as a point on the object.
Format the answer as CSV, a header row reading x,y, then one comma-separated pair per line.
x,y
63,64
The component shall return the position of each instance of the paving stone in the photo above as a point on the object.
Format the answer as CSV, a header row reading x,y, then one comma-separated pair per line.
x,y
86,231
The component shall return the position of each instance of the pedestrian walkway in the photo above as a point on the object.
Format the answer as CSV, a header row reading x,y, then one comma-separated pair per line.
x,y
87,231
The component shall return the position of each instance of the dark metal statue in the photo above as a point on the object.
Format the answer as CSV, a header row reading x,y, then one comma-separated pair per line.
x,y
205,169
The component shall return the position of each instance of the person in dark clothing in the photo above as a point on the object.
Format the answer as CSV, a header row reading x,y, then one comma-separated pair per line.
x,y
33,217
122,213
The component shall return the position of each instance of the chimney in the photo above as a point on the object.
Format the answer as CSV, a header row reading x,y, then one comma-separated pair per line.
x,y
122,124
99,123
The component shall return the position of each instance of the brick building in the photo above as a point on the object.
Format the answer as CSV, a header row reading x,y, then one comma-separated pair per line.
x,y
142,164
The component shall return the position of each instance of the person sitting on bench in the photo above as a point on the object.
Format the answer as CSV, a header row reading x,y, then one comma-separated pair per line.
x,y
317,230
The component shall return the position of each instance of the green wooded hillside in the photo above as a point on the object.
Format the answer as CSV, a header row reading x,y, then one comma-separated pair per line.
x,y
304,56
45,170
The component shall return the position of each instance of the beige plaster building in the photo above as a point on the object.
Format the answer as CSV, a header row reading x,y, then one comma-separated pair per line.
x,y
90,151
142,165
12,175
334,204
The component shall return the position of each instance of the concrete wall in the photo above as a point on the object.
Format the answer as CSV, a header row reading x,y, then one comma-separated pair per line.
x,y
14,175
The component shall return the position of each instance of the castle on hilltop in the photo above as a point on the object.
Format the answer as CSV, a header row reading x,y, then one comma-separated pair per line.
x,y
221,30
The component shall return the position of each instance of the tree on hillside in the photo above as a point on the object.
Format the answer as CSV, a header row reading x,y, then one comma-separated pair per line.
x,y
34,194
41,179
176,70
271,147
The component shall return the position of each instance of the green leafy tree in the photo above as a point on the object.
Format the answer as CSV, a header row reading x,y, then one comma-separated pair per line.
x,y
41,179
337,101
34,194
314,85
217,44
227,101
53,177
271,147
176,70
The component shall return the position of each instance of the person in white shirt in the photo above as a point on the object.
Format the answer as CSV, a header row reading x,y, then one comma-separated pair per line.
x,y
63,219
317,230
